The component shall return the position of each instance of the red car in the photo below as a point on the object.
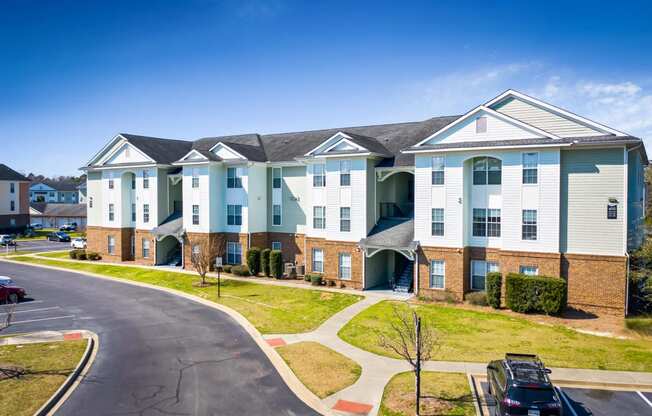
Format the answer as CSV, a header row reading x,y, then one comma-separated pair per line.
x,y
9,292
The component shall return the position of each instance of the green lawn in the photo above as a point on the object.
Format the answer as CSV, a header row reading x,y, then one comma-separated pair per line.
x,y
640,324
47,366
475,336
441,394
271,309
57,254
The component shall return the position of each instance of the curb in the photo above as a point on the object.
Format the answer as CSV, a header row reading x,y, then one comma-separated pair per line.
x,y
287,375
65,390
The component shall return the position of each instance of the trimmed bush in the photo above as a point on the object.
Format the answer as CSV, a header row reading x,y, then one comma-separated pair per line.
x,y
315,279
494,287
227,268
276,263
264,262
81,255
477,298
306,277
535,293
253,260
73,253
240,270
91,255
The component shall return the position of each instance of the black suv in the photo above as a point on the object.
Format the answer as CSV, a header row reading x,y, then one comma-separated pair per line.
x,y
521,386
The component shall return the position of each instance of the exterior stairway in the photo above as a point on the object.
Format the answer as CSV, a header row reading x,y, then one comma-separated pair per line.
x,y
404,281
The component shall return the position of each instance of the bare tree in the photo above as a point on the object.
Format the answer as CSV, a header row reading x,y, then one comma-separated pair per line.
x,y
413,342
7,315
203,252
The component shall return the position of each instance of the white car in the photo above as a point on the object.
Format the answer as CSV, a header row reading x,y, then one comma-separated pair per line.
x,y
78,243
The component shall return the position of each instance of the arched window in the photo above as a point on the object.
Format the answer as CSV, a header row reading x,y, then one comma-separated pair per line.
x,y
487,170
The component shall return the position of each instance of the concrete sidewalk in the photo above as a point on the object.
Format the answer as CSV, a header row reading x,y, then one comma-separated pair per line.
x,y
45,336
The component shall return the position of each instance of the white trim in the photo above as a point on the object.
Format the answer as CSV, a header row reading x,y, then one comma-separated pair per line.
x,y
105,148
228,148
106,155
430,275
495,148
554,109
346,140
189,153
334,136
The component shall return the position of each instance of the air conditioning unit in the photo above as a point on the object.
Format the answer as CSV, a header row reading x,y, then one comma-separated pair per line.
x,y
301,270
290,270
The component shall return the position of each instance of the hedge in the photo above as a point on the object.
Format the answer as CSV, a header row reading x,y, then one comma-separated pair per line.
x,y
535,293
477,298
92,255
264,262
227,268
253,260
494,287
240,270
276,263
315,279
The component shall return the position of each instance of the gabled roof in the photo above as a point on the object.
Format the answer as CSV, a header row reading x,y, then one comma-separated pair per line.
x,y
164,151
58,210
8,174
66,185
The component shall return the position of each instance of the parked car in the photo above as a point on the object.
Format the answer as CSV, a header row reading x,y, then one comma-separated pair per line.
x,y
9,292
520,386
69,227
36,226
7,240
59,236
29,232
78,243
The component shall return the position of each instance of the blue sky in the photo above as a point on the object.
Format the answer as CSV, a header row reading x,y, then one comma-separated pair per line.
x,y
75,73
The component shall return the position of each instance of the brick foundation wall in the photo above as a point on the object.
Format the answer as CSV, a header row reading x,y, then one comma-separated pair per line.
x,y
331,260
138,257
98,241
456,264
292,246
23,203
218,239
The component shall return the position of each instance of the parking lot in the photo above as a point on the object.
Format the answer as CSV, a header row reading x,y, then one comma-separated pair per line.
x,y
585,401
36,245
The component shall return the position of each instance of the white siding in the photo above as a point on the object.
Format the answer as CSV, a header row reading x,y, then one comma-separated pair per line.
x,y
257,199
196,196
95,215
292,197
237,196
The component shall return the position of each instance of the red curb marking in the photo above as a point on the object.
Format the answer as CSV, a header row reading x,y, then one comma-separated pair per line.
x,y
353,407
72,335
276,342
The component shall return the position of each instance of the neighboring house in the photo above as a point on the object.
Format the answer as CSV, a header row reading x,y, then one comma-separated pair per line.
x,y
14,200
82,192
64,192
514,185
54,215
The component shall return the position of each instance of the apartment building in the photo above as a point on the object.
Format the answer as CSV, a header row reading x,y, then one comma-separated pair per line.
x,y
14,200
55,192
514,185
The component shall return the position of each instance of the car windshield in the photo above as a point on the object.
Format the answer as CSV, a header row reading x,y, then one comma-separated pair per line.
x,y
527,395
6,281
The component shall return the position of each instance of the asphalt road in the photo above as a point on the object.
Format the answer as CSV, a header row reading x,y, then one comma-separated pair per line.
x,y
37,245
159,354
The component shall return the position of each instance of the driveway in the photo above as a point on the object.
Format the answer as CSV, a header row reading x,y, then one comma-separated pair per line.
x,y
38,245
158,353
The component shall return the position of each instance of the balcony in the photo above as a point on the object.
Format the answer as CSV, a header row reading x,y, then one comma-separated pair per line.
x,y
396,210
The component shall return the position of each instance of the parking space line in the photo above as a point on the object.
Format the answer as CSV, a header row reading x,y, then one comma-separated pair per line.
x,y
563,396
34,310
645,399
28,302
42,319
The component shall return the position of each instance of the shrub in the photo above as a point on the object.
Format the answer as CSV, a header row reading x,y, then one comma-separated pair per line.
x,y
276,263
494,287
477,298
331,282
253,260
227,268
93,256
240,270
535,293
264,262
315,279
81,255
306,277
73,253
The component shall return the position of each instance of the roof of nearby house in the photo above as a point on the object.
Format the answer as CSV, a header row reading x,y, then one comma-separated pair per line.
x,y
8,174
65,185
45,209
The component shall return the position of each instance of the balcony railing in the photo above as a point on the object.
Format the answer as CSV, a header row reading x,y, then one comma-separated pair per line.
x,y
396,210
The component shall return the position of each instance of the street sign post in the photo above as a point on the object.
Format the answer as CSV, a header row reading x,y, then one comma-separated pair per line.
x,y
218,267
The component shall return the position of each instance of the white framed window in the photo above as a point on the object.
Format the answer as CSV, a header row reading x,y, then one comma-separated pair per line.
x,y
486,222
344,268
110,244
493,222
318,260
319,218
319,175
438,170
145,179
145,213
529,270
277,175
233,252
234,214
145,248
133,212
529,231
479,270
195,214
481,125
276,245
12,188
195,178
277,216
133,181
345,173
195,250
233,178
487,171
111,212
345,219
437,274
12,205
437,226
530,168
111,184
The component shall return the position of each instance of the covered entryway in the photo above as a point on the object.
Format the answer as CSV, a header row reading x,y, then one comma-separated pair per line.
x,y
170,241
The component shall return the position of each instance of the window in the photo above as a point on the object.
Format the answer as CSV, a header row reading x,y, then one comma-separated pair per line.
x,y
12,187
529,224
195,215
145,213
529,270
493,223
111,185
133,181
438,170
530,168
345,173
612,211
437,274
319,175
132,244
195,250
111,212
479,222
479,270
233,178
51,194
133,212
486,170
318,260
90,202
437,222
12,205
12,222
345,219
276,178
234,214
276,214
481,125
145,248
233,253
111,245
319,218
344,269
195,178
276,245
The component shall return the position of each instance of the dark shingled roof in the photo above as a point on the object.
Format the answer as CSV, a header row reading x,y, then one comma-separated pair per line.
x,y
248,145
65,185
59,210
8,174
163,151
390,232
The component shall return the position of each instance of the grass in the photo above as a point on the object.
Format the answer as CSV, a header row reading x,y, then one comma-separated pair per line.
x,y
321,369
640,324
42,234
47,364
57,254
441,394
477,336
271,309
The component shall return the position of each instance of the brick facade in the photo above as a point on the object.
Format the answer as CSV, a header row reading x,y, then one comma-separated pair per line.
x,y
456,263
331,260
98,241
150,260
292,246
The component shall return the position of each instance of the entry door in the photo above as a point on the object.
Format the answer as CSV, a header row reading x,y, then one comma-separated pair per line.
x,y
133,246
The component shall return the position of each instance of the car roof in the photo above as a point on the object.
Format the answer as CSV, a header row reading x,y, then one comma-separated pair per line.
x,y
526,370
